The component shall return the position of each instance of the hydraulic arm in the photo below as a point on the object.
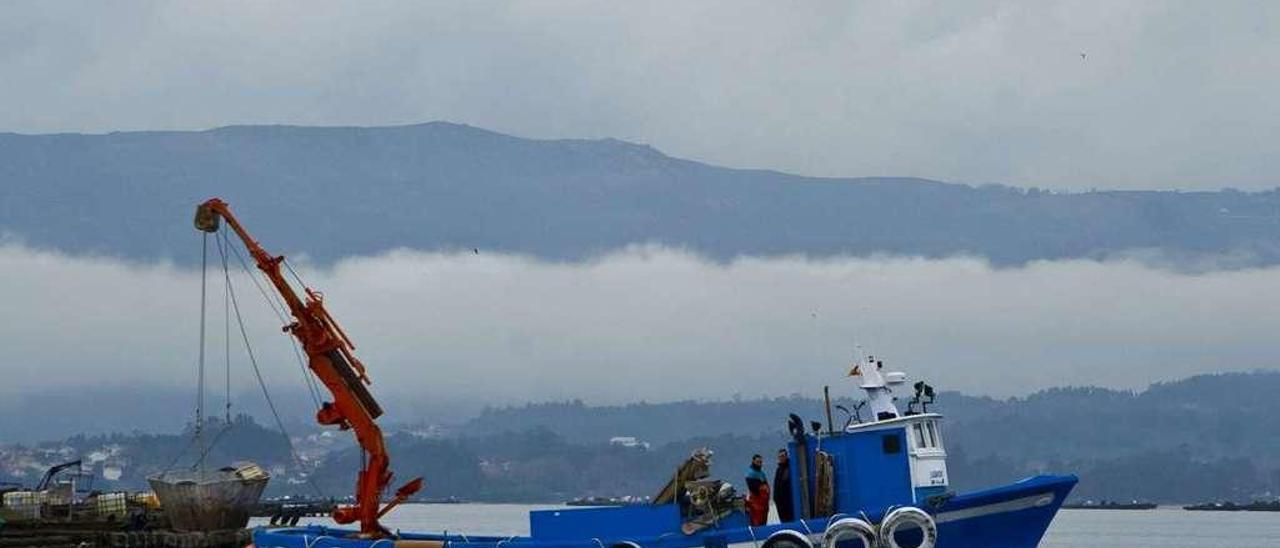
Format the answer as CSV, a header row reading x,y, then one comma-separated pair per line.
x,y
330,356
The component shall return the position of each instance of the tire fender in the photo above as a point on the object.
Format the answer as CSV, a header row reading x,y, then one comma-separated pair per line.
x,y
908,515
787,538
846,529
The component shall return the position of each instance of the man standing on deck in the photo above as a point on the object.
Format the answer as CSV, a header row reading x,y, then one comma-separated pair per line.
x,y
757,492
782,488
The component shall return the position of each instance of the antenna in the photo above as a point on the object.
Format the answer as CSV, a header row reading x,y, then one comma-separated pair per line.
x,y
924,397
852,416
848,416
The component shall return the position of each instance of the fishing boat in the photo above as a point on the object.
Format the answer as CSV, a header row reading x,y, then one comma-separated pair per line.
x,y
875,483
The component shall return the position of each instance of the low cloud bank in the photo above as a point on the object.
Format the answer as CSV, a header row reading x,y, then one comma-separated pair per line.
x,y
646,323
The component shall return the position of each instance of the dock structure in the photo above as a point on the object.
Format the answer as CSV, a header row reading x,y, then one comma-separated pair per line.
x,y
65,535
290,512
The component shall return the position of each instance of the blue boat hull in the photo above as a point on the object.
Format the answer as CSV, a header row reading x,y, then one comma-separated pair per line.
x,y
1011,516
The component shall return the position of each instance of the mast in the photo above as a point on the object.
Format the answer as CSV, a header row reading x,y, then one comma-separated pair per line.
x,y
330,356
879,387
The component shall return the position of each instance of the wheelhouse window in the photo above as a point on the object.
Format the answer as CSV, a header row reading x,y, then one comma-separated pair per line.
x,y
926,434
891,443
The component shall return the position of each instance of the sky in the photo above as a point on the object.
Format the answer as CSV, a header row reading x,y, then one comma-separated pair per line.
x,y
644,323
1054,94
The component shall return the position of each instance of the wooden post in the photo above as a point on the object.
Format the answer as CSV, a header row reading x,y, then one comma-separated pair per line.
x,y
826,395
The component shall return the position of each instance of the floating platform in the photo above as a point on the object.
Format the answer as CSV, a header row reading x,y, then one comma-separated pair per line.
x,y
1110,505
55,535
290,511
1257,506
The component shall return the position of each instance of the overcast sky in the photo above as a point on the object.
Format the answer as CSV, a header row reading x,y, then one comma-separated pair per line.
x,y
649,323
1139,94
1131,94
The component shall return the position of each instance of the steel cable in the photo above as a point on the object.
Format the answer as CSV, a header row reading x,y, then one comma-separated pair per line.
x,y
235,306
313,388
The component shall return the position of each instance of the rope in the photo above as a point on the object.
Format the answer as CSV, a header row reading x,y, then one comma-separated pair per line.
x,y
213,443
178,457
314,542
289,267
235,305
226,324
278,307
226,303
204,275
832,519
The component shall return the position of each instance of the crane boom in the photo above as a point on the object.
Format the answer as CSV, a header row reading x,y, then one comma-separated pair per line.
x,y
330,356
52,472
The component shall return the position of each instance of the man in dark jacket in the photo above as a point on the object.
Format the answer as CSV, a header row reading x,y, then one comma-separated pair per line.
x,y
782,488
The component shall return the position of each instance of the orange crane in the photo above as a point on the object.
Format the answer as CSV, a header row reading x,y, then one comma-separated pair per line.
x,y
330,357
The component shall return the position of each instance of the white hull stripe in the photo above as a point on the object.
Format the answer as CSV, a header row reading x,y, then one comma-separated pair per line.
x,y
1025,503
1034,501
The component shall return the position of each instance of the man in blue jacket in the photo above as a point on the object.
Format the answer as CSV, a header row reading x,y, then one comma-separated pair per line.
x,y
757,492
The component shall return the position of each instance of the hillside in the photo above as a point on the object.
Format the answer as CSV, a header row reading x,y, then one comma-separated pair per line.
x,y
331,192
1210,436
1207,437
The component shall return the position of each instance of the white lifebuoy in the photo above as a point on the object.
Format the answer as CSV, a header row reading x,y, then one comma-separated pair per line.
x,y
908,515
787,538
847,529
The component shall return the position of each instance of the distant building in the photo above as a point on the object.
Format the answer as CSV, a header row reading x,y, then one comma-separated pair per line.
x,y
628,441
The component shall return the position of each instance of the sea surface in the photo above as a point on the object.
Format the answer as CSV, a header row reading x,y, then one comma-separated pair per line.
x,y
1165,527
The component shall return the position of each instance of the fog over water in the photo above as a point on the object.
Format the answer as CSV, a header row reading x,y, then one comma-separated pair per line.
x,y
649,323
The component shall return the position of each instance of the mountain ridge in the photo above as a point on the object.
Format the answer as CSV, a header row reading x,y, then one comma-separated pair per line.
x,y
445,186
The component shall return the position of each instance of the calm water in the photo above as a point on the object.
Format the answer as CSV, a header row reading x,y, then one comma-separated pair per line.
x,y
1163,528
